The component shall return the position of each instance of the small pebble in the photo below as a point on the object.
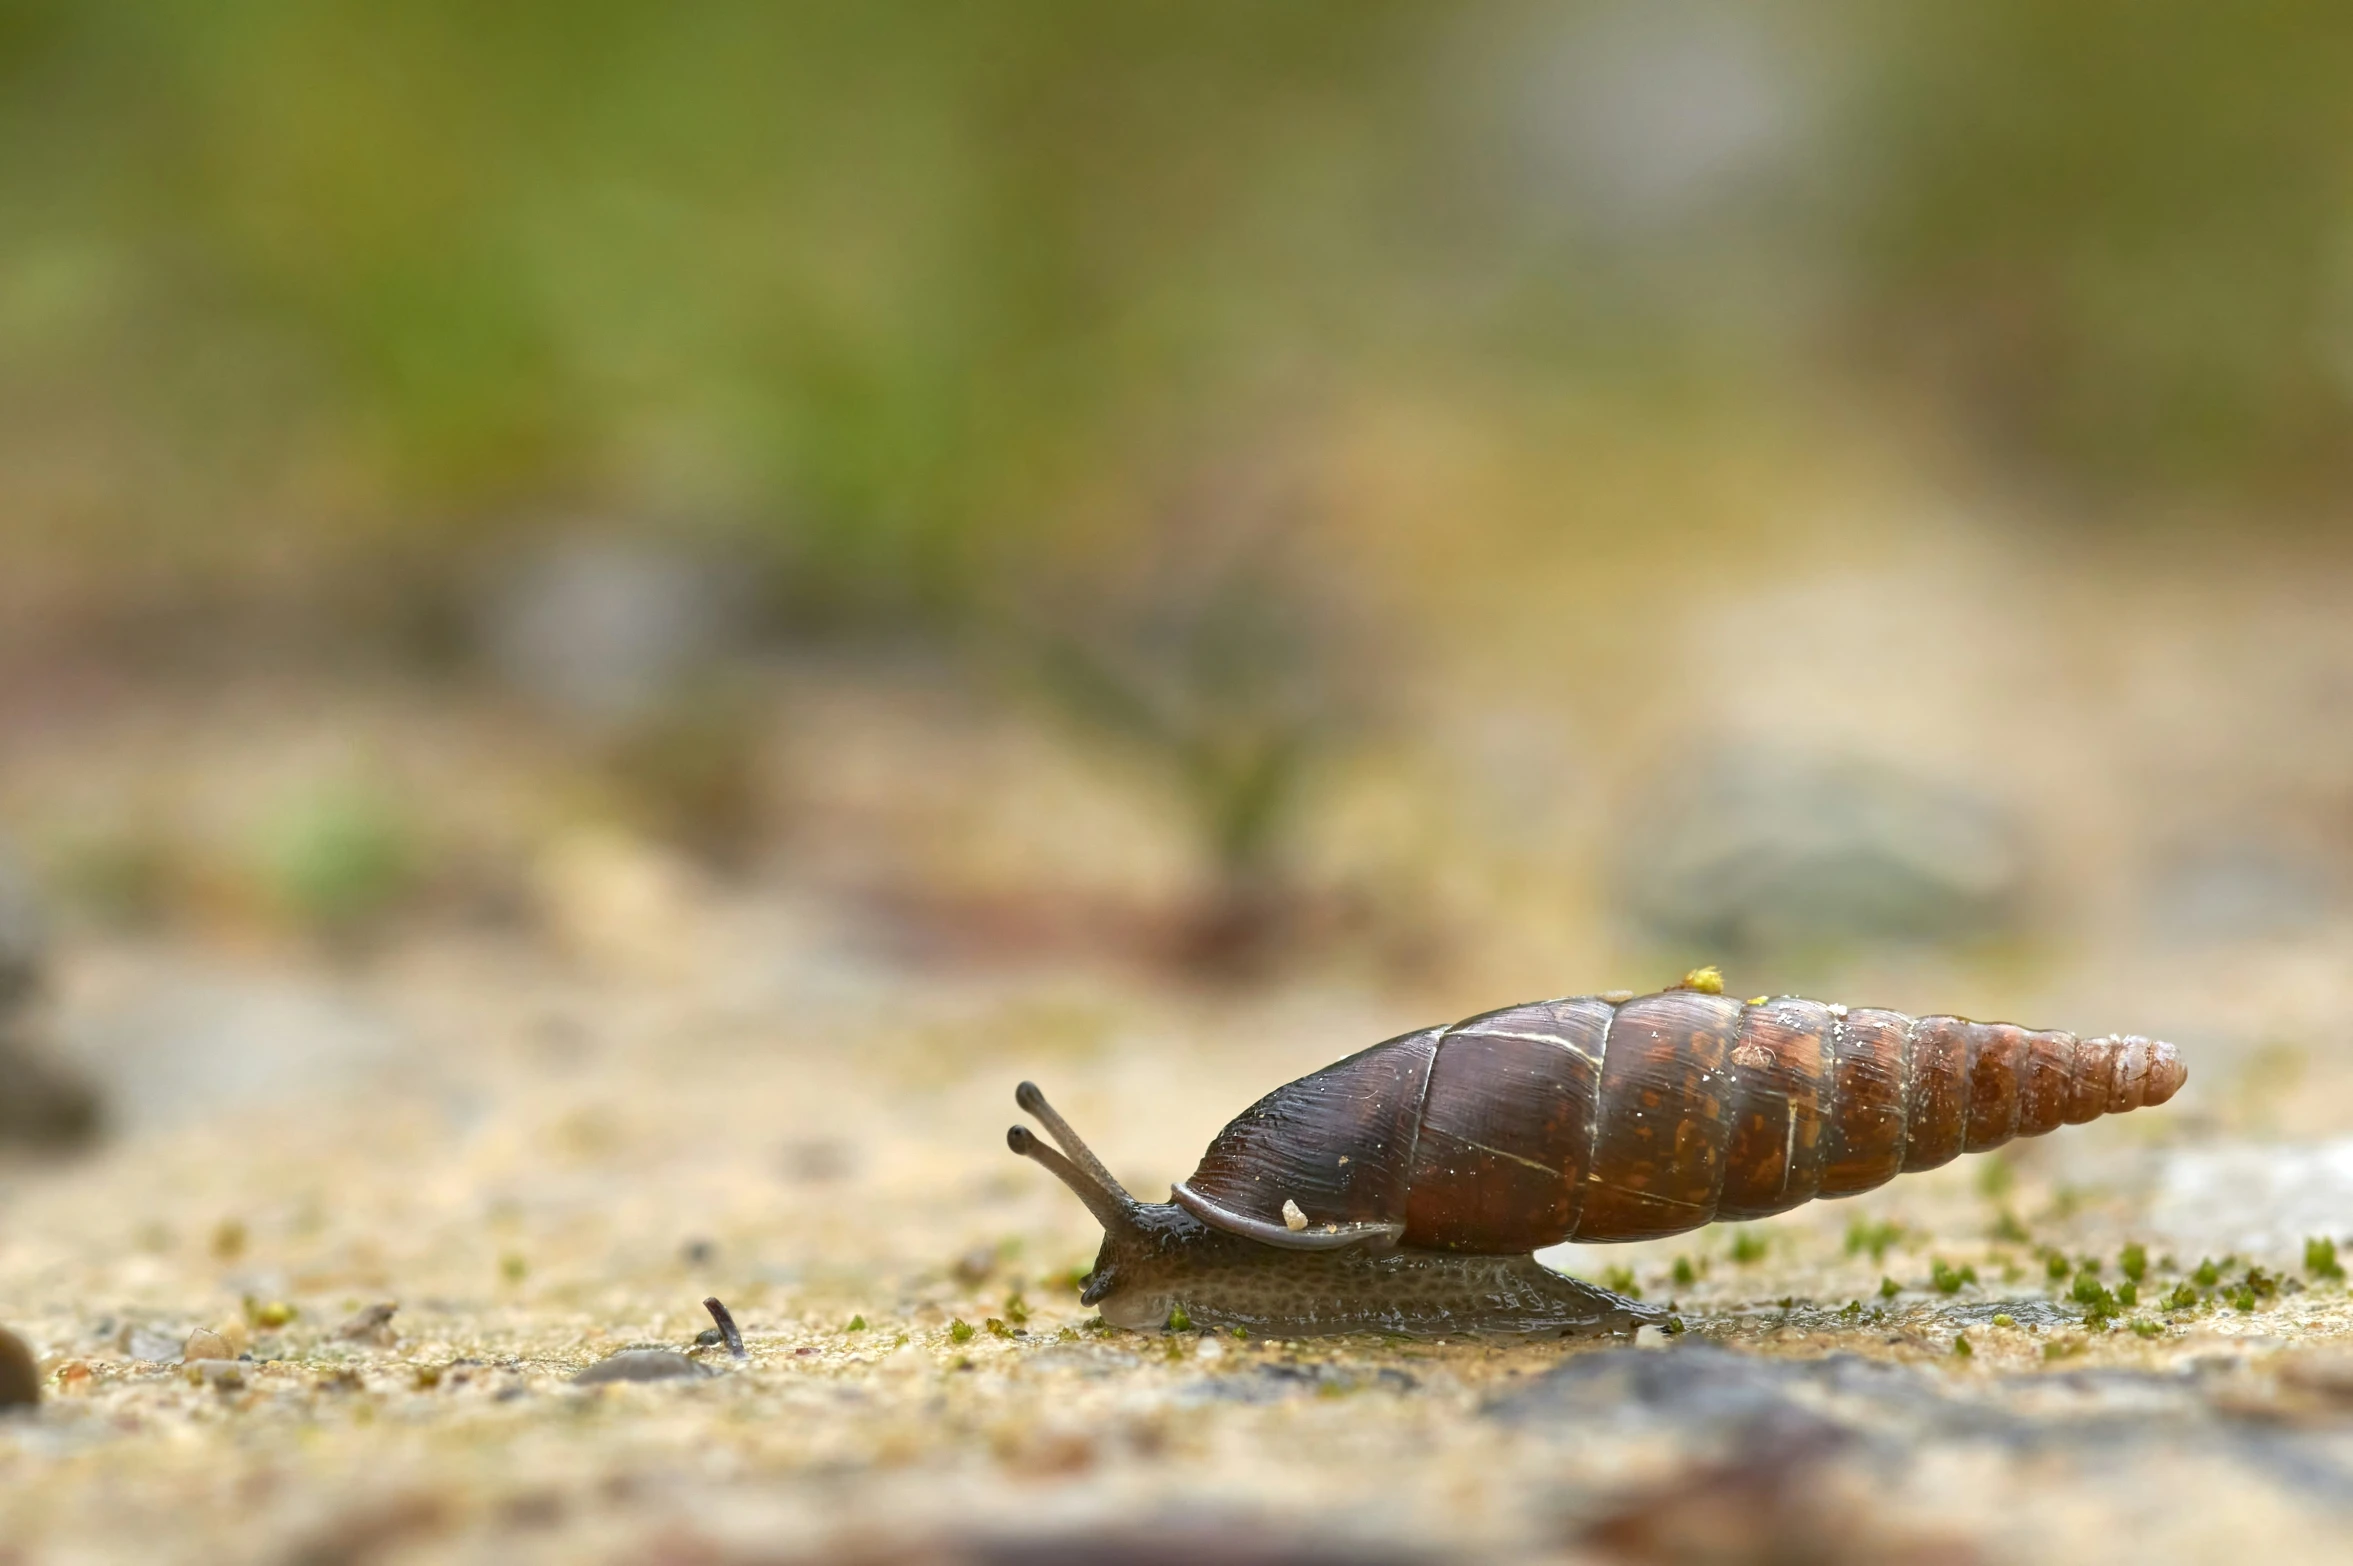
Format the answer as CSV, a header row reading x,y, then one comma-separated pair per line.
x,y
204,1343
372,1325
643,1365
148,1344
1650,1335
20,1377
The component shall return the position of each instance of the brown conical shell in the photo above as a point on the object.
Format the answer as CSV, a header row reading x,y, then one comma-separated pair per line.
x,y
1597,1119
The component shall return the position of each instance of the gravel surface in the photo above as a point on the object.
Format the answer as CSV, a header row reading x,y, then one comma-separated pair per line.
x,y
432,1289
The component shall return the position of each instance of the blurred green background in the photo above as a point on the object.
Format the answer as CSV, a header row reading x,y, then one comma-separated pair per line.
x,y
1344,425
907,294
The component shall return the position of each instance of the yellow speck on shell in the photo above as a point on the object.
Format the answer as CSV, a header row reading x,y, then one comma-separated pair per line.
x,y
1704,981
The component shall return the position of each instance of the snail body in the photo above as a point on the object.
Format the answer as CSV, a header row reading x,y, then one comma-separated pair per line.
x,y
1405,1188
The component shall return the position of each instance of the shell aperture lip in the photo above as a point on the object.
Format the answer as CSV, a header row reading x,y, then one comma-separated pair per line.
x,y
1322,1237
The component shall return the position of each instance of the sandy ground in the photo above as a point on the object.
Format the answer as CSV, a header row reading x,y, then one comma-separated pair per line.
x,y
541,1161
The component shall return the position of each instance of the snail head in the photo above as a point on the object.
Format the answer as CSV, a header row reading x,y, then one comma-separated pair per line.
x,y
1135,1234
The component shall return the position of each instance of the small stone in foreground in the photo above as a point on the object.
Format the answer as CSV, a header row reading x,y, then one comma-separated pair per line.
x,y
20,1378
373,1324
642,1365
148,1344
204,1343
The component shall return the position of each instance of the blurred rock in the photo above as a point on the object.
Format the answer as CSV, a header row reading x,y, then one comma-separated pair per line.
x,y
2238,888
42,1102
1715,1404
1740,852
606,629
643,1365
20,1375
175,1041
2324,1373
373,1528
1768,1458
1697,1390
1169,1541
22,935
1777,1499
2258,1200
372,1324
204,1343
1275,1383
1641,119
146,1343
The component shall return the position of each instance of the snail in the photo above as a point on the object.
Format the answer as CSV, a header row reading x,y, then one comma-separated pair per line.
x,y
1405,1188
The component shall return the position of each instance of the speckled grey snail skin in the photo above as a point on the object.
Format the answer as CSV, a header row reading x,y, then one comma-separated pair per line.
x,y
1158,1258
1406,1188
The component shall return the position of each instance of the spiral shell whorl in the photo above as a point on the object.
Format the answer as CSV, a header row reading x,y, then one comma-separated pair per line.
x,y
1621,1117
2140,1073
1973,1086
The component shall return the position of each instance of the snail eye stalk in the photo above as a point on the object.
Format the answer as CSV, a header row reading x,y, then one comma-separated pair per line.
x,y
1110,1205
1033,1102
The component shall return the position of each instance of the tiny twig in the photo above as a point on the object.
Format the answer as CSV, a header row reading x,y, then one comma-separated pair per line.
x,y
726,1326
